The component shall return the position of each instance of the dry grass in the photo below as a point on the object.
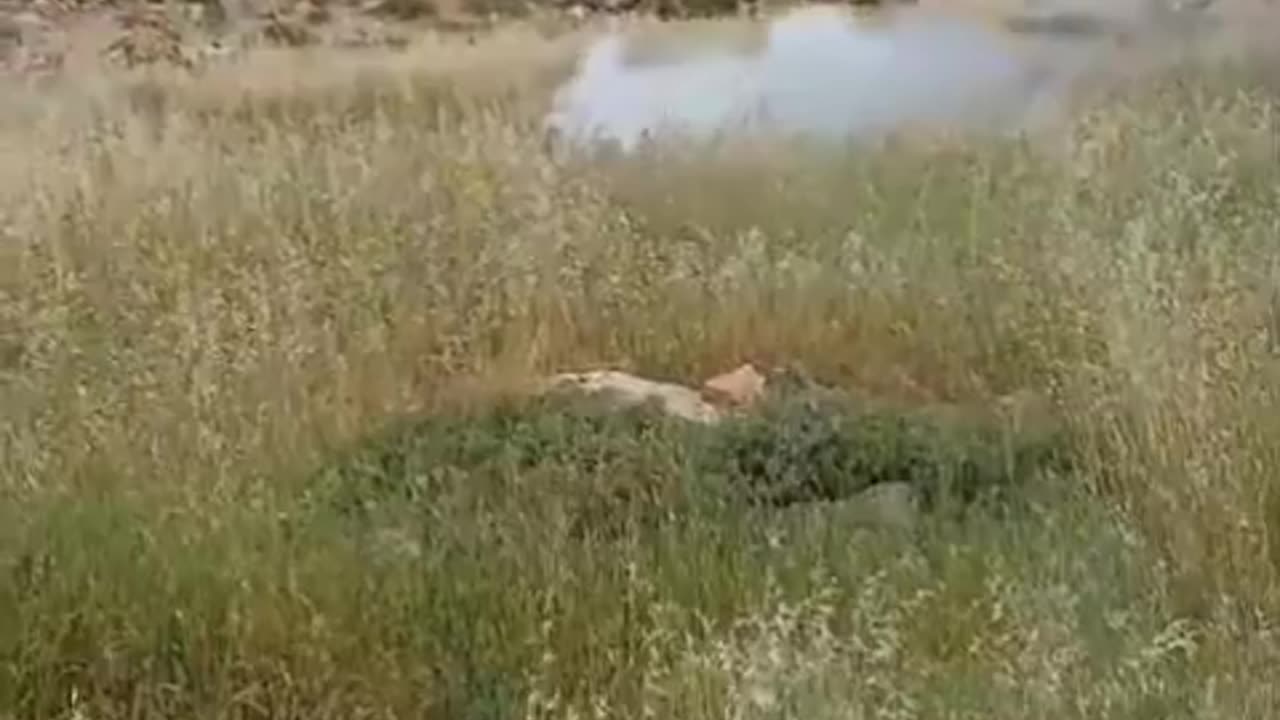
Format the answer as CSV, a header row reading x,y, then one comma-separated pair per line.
x,y
208,285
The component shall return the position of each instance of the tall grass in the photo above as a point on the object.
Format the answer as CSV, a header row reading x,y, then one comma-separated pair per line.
x,y
211,287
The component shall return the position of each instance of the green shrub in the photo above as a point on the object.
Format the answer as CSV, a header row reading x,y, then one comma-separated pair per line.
x,y
637,465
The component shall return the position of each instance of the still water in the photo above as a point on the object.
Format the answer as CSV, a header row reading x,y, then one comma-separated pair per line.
x,y
817,70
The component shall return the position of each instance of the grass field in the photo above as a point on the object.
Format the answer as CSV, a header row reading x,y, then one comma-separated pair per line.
x,y
262,334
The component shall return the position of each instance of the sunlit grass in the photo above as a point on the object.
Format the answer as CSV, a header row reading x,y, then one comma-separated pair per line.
x,y
214,289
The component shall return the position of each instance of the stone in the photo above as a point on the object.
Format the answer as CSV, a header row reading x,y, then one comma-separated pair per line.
x,y
621,391
738,388
148,38
891,506
403,10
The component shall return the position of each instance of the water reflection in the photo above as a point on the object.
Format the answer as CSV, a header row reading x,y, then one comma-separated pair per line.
x,y
817,70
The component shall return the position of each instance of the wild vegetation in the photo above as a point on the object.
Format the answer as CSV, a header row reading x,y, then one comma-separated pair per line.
x,y
264,450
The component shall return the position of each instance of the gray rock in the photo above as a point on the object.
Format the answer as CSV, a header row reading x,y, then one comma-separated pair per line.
x,y
888,505
892,506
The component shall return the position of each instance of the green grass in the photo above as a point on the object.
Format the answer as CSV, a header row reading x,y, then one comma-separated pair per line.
x,y
263,454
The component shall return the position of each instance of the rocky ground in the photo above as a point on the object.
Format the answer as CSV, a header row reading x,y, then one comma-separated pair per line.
x,y
44,37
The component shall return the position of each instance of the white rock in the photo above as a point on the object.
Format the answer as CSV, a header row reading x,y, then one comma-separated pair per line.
x,y
623,390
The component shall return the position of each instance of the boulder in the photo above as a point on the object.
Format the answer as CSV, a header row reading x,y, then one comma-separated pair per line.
x,y
621,391
889,506
733,391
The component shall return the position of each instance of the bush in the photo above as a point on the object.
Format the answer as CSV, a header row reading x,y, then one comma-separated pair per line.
x,y
640,466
